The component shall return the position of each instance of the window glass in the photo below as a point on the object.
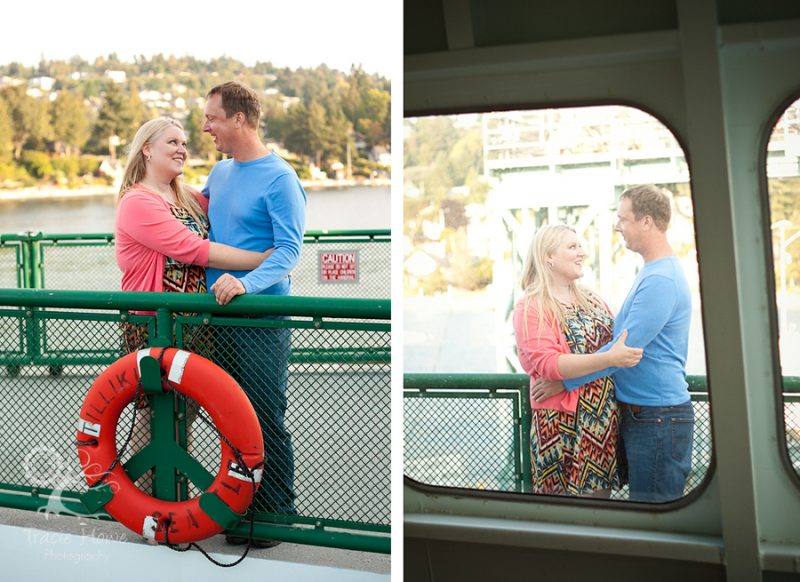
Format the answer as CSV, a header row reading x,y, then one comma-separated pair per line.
x,y
477,189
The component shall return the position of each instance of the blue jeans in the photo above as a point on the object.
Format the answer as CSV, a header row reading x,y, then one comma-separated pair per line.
x,y
259,362
657,441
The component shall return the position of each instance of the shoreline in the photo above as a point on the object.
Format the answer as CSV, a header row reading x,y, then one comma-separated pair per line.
x,y
55,193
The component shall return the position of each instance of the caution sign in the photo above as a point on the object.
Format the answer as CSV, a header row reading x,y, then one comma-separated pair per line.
x,y
338,266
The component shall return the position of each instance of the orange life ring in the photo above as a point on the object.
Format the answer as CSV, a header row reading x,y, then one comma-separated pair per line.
x,y
232,414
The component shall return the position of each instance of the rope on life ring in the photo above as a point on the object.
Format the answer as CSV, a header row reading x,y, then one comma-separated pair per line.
x,y
225,501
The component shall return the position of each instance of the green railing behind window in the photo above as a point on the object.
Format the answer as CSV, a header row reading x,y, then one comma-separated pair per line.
x,y
53,345
86,262
471,430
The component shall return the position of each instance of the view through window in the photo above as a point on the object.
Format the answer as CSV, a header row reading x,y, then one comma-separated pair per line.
x,y
477,189
783,173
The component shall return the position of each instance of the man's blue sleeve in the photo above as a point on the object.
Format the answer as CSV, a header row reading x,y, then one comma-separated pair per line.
x,y
204,190
287,210
652,306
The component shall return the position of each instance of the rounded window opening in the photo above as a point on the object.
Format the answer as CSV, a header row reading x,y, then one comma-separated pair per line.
x,y
477,189
783,178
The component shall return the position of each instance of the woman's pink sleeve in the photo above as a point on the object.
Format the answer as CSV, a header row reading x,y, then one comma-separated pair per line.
x,y
148,221
540,347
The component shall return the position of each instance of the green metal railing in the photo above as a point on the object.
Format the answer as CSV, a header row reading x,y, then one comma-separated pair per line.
x,y
53,344
470,431
86,262
16,261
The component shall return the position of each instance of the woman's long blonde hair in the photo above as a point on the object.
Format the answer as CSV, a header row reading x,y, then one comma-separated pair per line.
x,y
537,280
136,167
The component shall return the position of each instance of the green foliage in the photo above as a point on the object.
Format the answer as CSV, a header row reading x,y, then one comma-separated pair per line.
x,y
427,138
298,137
38,164
8,173
6,133
365,168
317,130
440,156
374,117
201,145
412,210
465,160
88,165
478,189
29,118
444,167
192,175
119,115
332,109
41,128
68,166
303,172
275,118
70,122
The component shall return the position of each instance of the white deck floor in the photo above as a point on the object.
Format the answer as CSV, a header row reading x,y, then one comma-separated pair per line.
x,y
68,548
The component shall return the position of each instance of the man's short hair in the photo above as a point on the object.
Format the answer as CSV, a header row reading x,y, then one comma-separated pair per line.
x,y
237,97
649,200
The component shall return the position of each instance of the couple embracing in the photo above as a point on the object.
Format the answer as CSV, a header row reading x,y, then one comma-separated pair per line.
x,y
609,396
241,235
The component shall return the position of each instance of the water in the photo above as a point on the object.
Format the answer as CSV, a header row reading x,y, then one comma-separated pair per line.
x,y
336,209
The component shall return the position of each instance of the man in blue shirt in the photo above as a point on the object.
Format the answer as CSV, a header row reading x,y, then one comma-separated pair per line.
x,y
256,201
657,418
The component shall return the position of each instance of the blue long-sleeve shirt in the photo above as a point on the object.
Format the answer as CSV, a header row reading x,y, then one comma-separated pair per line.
x,y
656,313
258,205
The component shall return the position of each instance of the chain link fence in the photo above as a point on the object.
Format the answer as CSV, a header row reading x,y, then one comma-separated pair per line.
x,y
332,264
87,265
320,386
470,438
11,262
344,266
791,415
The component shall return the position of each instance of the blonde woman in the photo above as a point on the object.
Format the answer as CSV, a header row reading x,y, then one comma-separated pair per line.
x,y
558,325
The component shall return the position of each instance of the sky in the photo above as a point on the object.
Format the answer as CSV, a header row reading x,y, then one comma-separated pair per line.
x,y
291,33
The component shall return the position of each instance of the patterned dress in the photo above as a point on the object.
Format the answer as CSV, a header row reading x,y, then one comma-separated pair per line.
x,y
178,278
576,454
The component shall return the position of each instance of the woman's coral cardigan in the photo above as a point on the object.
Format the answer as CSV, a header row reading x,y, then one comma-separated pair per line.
x,y
538,350
146,232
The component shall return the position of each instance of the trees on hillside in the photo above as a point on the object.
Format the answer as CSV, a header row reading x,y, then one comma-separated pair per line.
x,y
442,175
6,133
71,129
320,114
30,119
201,145
118,118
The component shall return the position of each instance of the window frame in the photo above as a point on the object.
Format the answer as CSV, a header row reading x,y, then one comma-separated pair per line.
x,y
525,497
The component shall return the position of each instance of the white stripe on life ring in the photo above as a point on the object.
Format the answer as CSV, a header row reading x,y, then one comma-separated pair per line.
x,y
89,428
149,527
178,365
237,473
139,355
